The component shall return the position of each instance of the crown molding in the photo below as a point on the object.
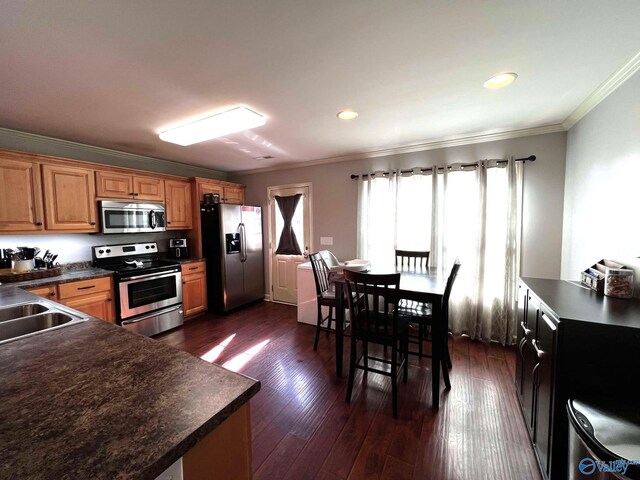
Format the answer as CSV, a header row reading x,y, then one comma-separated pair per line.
x,y
35,139
603,91
419,147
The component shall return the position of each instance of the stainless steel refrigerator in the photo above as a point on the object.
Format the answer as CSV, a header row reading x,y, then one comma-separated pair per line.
x,y
232,245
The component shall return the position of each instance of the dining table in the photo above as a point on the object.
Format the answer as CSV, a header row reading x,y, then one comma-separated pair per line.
x,y
426,285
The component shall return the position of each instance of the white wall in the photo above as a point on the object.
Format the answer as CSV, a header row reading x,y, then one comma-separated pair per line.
x,y
602,181
335,194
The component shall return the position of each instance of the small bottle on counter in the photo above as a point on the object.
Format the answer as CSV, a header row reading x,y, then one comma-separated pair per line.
x,y
618,283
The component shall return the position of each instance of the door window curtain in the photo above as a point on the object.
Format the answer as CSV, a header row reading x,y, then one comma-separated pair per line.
x,y
471,213
288,243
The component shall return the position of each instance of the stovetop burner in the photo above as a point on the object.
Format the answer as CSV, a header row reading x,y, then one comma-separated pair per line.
x,y
134,257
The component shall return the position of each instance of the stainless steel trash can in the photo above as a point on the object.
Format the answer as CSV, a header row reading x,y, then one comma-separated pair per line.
x,y
604,440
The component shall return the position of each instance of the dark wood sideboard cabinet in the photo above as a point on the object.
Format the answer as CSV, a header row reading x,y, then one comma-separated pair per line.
x,y
572,343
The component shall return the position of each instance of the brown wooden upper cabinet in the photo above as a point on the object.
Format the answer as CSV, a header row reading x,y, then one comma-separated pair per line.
x,y
228,193
135,187
69,199
20,196
234,195
178,205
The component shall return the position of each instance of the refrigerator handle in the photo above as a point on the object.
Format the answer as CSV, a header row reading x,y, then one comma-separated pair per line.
x,y
243,243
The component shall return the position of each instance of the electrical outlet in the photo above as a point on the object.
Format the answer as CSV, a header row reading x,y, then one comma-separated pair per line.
x,y
326,240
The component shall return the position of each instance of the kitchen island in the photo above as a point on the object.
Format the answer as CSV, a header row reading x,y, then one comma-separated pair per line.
x,y
94,401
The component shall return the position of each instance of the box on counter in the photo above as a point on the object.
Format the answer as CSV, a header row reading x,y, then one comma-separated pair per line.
x,y
594,276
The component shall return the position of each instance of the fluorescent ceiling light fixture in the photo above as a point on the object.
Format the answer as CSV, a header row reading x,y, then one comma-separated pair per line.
x,y
347,115
218,125
500,80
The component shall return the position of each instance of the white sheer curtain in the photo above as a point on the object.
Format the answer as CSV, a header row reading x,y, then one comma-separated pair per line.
x,y
469,213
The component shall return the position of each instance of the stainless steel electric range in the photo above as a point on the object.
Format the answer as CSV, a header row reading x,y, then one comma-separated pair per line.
x,y
148,289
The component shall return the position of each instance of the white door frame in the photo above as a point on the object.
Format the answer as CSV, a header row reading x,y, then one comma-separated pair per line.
x,y
271,247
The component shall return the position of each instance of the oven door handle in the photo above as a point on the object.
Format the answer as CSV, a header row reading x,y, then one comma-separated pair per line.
x,y
152,314
149,275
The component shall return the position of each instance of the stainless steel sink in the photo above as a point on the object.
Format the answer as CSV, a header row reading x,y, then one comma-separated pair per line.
x,y
19,311
18,321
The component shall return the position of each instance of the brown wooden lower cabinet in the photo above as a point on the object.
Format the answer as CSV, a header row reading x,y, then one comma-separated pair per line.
x,y
224,453
93,297
194,288
99,305
50,292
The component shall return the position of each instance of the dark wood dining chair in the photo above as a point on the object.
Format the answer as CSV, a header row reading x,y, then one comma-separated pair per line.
x,y
422,314
373,301
411,259
325,295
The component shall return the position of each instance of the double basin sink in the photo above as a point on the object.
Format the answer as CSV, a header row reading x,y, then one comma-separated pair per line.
x,y
26,319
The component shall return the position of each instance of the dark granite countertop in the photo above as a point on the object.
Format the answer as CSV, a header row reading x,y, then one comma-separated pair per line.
x,y
93,400
573,302
66,277
187,260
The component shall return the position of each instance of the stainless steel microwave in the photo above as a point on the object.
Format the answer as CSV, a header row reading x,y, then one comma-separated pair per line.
x,y
128,217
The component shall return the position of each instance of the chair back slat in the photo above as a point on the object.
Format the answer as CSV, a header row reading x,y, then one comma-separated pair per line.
x,y
412,259
320,273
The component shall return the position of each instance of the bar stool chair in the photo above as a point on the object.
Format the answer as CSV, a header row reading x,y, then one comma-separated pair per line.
x,y
373,301
423,314
325,295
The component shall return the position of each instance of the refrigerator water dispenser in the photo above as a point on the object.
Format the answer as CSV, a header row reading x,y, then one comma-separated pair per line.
x,y
233,242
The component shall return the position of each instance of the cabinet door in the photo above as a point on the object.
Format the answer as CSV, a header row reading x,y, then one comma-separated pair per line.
x,y
178,205
210,188
99,305
194,293
234,195
148,188
20,196
69,199
544,346
50,292
521,338
529,360
114,185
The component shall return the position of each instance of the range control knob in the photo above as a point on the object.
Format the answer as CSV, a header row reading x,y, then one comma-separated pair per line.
x,y
147,247
108,250
100,251
153,246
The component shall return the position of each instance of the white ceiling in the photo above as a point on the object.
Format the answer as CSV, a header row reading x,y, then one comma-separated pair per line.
x,y
115,73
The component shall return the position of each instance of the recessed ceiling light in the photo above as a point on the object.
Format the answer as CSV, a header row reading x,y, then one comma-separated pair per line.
x,y
347,115
500,80
224,123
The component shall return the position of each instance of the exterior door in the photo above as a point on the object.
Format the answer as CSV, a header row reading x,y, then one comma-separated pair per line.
x,y
284,265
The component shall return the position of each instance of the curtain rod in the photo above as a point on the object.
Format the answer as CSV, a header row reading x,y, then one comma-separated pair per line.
x,y
530,158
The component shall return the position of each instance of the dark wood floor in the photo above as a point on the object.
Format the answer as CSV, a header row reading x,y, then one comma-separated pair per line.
x,y
302,427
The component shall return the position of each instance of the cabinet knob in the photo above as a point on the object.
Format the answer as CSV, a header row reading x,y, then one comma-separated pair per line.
x,y
52,294
168,223
93,223
135,194
108,299
38,224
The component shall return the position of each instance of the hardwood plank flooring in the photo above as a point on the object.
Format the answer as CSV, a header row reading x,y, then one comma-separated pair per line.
x,y
302,427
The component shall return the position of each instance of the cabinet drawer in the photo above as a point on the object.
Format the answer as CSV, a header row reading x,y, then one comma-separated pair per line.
x,y
84,287
191,268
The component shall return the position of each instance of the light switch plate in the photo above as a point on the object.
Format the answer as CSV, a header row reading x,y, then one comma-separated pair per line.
x,y
326,240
